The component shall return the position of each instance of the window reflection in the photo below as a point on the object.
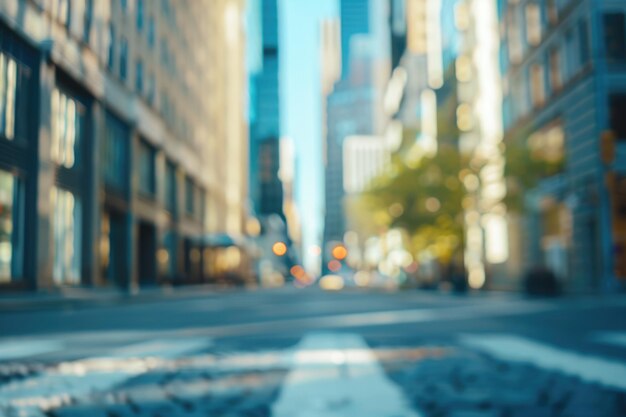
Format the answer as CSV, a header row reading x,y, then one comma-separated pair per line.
x,y
65,129
7,185
8,77
66,226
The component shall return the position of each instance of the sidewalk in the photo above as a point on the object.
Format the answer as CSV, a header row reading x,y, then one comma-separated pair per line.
x,y
94,297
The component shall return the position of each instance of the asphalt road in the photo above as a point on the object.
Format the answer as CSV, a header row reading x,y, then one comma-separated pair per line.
x,y
388,353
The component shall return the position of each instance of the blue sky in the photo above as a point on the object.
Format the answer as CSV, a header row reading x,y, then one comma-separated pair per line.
x,y
301,107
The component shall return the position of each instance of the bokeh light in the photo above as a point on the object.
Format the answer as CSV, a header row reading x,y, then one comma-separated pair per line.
x,y
279,249
340,252
334,265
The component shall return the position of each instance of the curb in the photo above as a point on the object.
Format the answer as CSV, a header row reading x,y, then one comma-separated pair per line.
x,y
94,298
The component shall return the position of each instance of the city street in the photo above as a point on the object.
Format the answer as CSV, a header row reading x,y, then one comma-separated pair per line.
x,y
288,352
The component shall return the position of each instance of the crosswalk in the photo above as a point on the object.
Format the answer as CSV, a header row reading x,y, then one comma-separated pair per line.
x,y
345,377
514,348
339,367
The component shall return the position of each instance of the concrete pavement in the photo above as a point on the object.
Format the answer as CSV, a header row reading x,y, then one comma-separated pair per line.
x,y
232,354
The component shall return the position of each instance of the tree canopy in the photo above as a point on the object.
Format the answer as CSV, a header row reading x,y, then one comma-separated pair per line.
x,y
423,196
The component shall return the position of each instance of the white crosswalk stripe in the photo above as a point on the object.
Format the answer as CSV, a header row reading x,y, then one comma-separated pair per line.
x,y
520,349
18,349
337,375
611,338
98,373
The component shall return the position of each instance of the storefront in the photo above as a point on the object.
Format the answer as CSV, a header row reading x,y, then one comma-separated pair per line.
x,y
115,220
69,153
18,159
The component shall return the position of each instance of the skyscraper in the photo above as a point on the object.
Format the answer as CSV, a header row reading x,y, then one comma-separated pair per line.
x,y
355,20
564,104
265,186
355,105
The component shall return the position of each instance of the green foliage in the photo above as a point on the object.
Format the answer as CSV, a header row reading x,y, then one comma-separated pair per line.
x,y
424,198
523,171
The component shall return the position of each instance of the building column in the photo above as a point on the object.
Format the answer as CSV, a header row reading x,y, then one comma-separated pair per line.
x,y
94,197
44,177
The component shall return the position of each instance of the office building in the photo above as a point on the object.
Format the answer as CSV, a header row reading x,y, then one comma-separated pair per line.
x,y
564,82
122,140
266,192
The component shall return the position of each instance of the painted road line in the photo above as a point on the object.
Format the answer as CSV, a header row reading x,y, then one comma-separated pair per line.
x,y
20,349
162,348
611,338
378,318
337,375
519,349
98,373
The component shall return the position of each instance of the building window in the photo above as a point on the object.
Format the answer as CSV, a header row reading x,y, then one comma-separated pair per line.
x,y
548,145
553,12
537,85
147,169
66,235
88,20
170,188
617,110
200,200
151,32
514,37
8,90
555,70
533,24
68,13
150,89
111,57
115,154
124,5
66,127
615,36
139,76
165,56
189,196
583,42
139,15
16,93
168,256
570,61
11,228
123,58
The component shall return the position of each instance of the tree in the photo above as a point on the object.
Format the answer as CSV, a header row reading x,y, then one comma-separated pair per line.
x,y
423,196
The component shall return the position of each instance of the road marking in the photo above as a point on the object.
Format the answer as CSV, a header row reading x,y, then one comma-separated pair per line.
x,y
162,348
18,349
377,318
337,375
611,338
98,373
519,349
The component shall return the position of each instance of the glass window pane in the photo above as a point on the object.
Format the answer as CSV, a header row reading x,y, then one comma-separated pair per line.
x,y
615,36
7,185
66,232
66,124
8,89
115,154
147,180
